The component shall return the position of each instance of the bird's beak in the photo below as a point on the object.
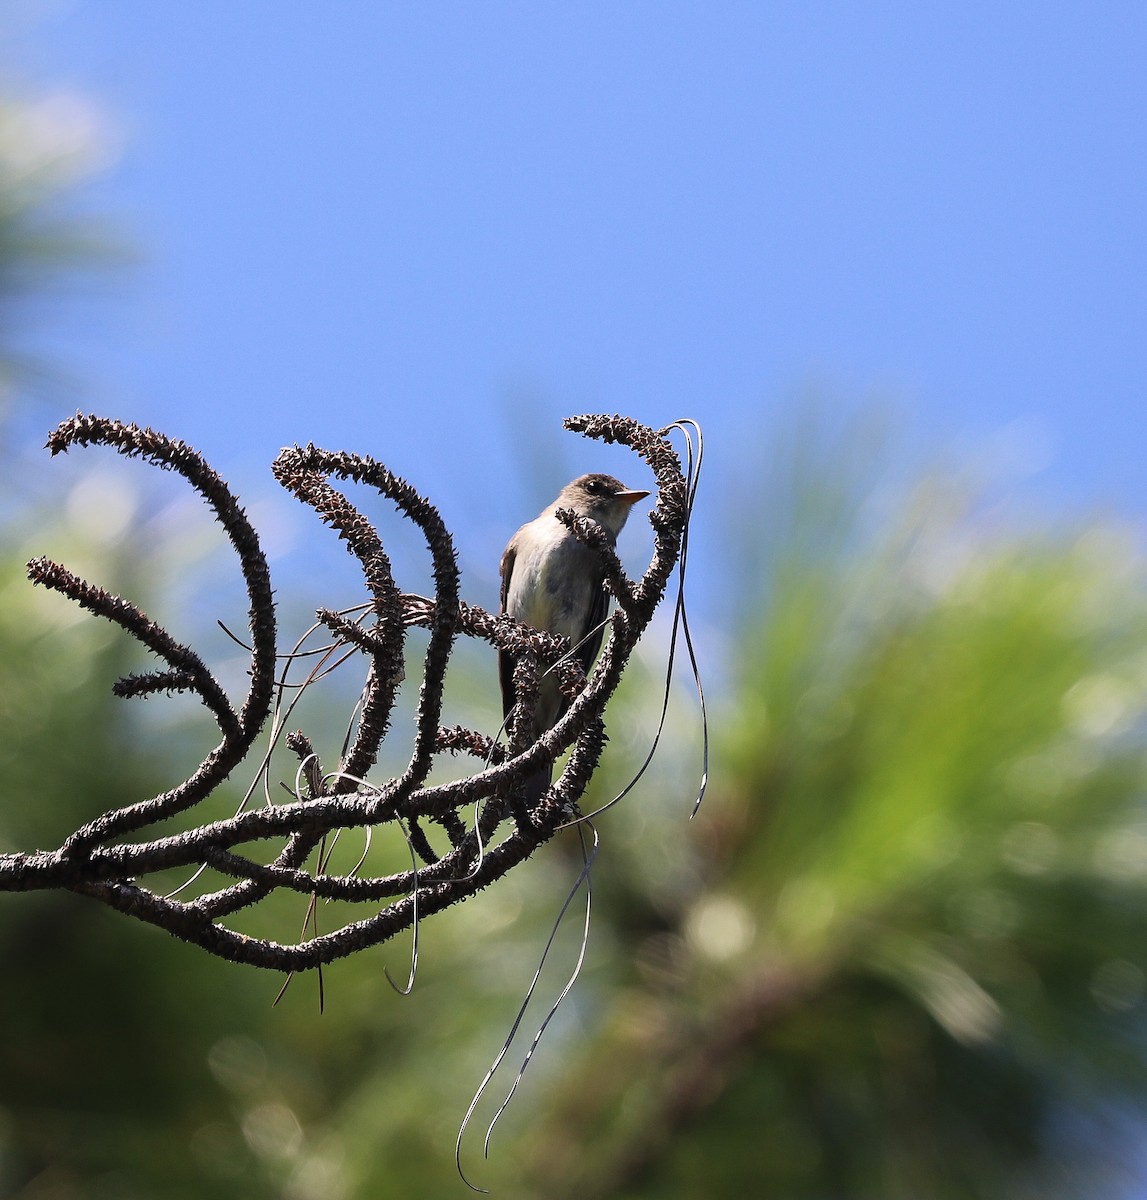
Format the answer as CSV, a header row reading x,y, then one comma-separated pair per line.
x,y
630,497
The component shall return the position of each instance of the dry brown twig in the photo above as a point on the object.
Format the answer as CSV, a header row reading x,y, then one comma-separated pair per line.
x,y
262,850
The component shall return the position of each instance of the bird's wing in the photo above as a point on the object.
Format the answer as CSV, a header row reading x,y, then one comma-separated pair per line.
x,y
506,661
597,611
506,568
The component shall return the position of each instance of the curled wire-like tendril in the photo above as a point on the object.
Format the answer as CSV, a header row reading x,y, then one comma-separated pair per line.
x,y
680,626
584,878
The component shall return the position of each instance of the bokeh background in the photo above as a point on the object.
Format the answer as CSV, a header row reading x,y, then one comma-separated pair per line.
x,y
892,257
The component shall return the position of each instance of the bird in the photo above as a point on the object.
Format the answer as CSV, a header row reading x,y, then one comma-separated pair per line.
x,y
555,583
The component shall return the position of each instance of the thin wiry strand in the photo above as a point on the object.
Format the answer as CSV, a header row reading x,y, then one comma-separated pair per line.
x,y
288,841
338,650
582,878
278,720
405,991
588,858
693,478
310,921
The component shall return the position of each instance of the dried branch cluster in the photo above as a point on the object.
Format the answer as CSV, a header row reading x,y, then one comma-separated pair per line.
x,y
265,849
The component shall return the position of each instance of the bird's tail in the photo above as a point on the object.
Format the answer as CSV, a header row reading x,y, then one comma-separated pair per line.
x,y
534,787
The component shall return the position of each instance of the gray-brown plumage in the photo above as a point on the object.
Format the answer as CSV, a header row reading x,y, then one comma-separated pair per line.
x,y
553,582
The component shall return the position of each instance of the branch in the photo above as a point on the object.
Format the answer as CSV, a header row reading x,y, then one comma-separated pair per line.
x,y
488,828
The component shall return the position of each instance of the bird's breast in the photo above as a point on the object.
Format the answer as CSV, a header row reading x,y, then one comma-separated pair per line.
x,y
554,582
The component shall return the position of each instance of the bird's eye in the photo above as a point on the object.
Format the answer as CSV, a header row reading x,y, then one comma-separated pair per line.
x,y
594,487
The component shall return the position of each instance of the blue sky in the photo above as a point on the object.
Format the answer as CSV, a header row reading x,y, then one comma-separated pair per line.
x,y
427,231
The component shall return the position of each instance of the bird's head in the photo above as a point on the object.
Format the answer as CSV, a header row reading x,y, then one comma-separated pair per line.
x,y
601,498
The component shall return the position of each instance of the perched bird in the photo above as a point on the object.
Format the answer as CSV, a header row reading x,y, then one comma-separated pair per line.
x,y
553,582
